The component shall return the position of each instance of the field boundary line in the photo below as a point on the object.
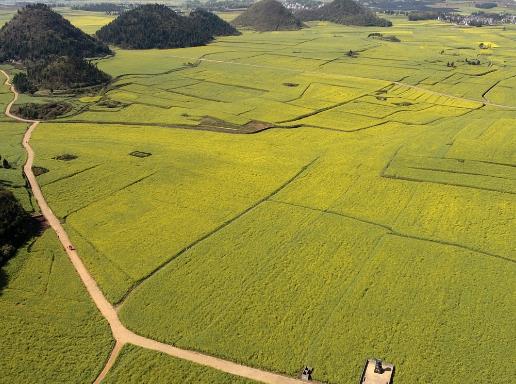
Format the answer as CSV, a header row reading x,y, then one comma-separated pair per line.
x,y
139,282
393,232
413,179
121,334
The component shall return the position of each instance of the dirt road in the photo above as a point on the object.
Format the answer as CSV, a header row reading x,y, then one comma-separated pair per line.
x,y
121,334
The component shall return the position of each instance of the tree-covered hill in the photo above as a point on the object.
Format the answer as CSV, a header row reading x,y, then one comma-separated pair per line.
x,y
214,25
347,12
36,32
268,15
157,26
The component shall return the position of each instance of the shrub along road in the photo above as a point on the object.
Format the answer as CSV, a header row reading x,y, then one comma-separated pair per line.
x,y
121,334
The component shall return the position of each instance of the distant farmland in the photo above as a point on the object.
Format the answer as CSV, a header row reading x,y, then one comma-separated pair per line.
x,y
372,215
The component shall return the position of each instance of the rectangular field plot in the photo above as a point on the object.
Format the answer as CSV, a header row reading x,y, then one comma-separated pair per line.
x,y
266,266
490,140
319,289
183,191
467,173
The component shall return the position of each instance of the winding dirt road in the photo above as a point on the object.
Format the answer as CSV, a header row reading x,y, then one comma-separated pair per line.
x,y
121,334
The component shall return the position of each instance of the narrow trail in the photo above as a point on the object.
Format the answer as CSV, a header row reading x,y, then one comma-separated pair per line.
x,y
121,334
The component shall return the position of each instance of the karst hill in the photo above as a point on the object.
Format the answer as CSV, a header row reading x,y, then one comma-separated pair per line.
x,y
37,32
157,26
268,15
347,12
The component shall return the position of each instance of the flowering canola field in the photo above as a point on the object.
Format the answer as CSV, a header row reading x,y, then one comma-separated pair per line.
x,y
372,214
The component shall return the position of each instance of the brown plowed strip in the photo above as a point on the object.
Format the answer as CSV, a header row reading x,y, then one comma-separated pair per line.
x,y
121,334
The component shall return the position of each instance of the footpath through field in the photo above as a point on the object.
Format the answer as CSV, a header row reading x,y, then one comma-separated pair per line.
x,y
121,334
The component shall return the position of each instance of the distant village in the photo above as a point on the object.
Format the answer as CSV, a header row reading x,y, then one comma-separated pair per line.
x,y
301,5
478,19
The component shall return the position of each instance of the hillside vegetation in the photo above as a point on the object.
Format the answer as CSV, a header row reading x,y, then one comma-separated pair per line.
x,y
16,225
64,73
52,50
37,32
346,12
157,26
268,15
211,23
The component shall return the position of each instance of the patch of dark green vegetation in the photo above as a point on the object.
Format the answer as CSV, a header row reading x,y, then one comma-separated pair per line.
x,y
108,103
65,73
423,15
268,15
158,26
4,163
140,154
473,61
66,157
37,32
403,104
23,84
211,23
486,5
39,170
47,111
346,12
381,36
16,225
290,84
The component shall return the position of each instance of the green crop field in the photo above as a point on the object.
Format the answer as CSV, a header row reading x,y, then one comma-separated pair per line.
x,y
371,214
50,330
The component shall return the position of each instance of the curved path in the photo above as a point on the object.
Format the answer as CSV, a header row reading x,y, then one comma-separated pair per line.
x,y
121,334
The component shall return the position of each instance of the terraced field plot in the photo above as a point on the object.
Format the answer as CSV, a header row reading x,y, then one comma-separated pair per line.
x,y
376,217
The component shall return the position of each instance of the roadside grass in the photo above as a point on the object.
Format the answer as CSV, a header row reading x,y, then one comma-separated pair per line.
x,y
136,365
